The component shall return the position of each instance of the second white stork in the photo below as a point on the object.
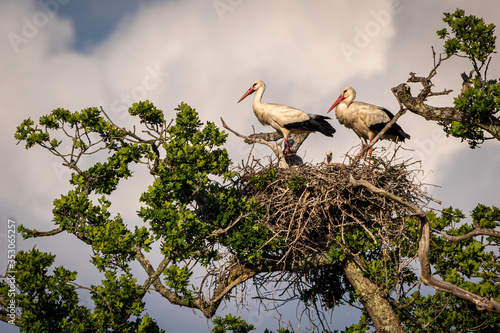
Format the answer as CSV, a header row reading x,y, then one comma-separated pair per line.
x,y
286,119
366,120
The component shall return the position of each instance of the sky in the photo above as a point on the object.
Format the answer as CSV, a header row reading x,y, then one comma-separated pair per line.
x,y
75,54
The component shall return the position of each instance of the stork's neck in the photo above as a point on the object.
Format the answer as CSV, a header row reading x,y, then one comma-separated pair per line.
x,y
342,111
257,100
348,100
258,106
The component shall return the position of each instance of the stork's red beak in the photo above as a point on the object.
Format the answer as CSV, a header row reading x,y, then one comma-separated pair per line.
x,y
340,99
250,91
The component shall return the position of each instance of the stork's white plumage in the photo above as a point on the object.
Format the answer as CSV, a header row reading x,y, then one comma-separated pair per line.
x,y
366,120
286,119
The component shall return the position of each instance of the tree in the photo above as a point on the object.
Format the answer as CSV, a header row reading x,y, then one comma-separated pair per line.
x,y
324,235
194,217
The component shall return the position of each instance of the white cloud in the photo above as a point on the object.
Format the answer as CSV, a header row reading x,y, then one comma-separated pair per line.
x,y
209,62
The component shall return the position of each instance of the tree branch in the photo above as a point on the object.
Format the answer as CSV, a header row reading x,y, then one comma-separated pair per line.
x,y
275,148
428,112
37,233
473,233
482,303
145,263
157,284
273,136
295,141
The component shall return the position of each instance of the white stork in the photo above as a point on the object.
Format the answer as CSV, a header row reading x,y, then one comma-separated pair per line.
x,y
366,120
285,119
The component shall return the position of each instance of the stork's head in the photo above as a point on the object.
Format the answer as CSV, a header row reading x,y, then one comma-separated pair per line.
x,y
255,86
348,93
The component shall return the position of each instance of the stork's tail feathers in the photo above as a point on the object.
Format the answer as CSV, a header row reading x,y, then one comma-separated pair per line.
x,y
324,126
316,123
395,133
402,135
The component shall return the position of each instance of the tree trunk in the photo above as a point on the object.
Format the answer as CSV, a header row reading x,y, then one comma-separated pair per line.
x,y
380,311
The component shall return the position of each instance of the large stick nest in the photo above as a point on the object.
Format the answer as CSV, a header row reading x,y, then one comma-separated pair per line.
x,y
314,207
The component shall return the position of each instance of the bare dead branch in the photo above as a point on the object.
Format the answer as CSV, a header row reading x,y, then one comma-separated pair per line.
x,y
275,148
274,136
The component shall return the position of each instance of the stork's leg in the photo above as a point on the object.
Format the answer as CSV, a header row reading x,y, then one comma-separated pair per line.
x,y
364,145
370,151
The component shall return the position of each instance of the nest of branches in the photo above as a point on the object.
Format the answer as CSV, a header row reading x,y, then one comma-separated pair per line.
x,y
314,207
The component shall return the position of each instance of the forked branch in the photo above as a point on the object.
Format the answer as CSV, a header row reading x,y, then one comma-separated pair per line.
x,y
265,138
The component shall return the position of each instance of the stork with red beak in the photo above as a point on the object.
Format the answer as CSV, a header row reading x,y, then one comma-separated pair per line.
x,y
285,119
366,120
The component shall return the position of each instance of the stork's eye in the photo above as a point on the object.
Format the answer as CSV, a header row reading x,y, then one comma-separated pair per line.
x,y
253,85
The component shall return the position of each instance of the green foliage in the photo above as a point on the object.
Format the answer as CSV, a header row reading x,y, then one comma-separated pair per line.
x,y
297,183
281,330
468,258
261,180
472,38
177,278
148,325
30,134
336,254
103,178
147,113
49,302
486,217
116,300
448,314
86,122
478,104
360,327
231,323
